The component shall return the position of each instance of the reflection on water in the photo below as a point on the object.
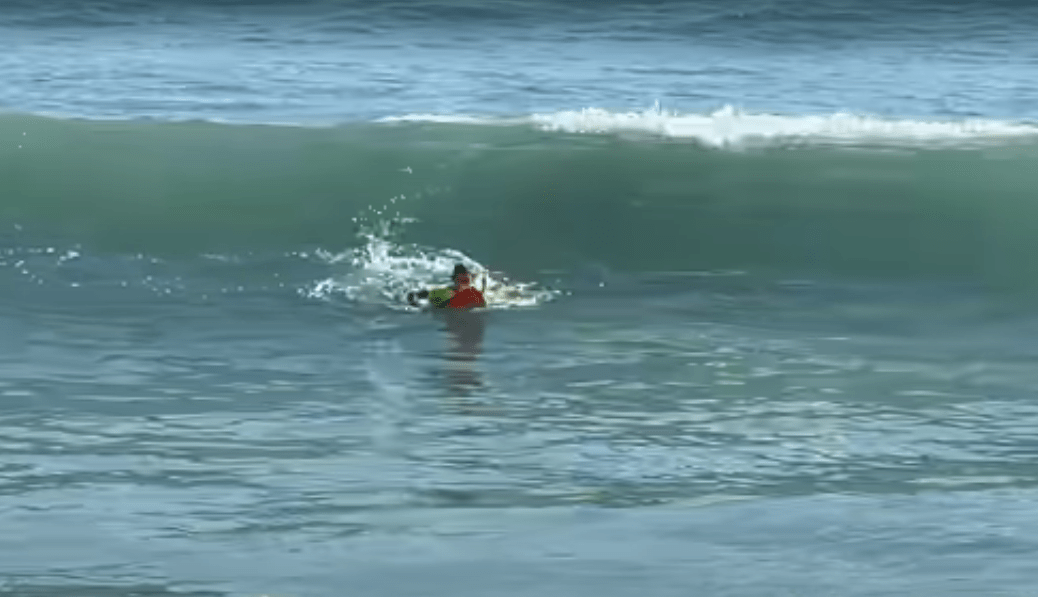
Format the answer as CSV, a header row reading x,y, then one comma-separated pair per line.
x,y
464,345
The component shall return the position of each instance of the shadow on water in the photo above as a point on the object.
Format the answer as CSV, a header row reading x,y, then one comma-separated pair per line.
x,y
465,331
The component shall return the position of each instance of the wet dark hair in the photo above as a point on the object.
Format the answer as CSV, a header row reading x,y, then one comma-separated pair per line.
x,y
459,269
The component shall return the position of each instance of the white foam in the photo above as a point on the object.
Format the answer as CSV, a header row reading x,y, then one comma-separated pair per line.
x,y
730,126
444,119
383,273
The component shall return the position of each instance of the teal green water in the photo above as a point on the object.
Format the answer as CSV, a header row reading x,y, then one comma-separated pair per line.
x,y
529,200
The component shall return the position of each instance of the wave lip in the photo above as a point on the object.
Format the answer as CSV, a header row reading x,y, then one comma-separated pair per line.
x,y
444,119
730,126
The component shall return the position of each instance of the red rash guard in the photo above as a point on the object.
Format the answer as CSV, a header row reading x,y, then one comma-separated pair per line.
x,y
470,297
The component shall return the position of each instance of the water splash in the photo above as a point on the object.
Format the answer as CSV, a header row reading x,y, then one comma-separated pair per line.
x,y
383,269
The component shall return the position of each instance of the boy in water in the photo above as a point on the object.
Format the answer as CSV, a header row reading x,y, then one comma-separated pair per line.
x,y
462,296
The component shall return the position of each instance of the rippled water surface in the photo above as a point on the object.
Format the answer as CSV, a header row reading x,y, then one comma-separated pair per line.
x,y
714,434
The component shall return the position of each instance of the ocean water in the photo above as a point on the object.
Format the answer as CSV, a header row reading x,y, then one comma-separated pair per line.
x,y
762,285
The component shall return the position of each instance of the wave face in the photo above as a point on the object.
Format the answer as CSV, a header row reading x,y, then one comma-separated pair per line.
x,y
838,194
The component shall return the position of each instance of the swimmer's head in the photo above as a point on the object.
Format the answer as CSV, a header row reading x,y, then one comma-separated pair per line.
x,y
461,275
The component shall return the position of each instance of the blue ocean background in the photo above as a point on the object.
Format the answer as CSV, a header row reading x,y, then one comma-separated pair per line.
x,y
761,280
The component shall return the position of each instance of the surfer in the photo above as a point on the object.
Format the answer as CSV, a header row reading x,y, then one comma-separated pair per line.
x,y
464,327
460,296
